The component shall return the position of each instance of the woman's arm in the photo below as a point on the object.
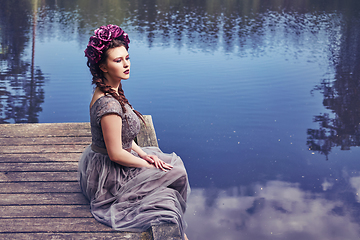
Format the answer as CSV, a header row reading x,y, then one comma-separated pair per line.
x,y
152,159
111,125
138,149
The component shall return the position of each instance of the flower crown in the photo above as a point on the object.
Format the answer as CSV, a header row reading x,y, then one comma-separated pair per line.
x,y
101,40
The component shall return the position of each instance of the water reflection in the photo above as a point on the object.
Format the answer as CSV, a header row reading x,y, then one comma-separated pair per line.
x,y
255,124
341,93
21,82
245,27
276,210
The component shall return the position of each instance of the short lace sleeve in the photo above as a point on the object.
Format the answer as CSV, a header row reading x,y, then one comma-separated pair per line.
x,y
107,105
130,122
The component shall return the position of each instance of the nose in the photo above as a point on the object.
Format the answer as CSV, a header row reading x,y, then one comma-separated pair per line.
x,y
126,63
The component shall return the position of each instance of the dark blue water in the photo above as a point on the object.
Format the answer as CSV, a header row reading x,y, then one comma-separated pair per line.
x,y
259,98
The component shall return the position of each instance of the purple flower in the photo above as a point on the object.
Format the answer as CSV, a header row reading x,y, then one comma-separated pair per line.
x,y
96,43
92,54
101,39
126,38
115,31
103,33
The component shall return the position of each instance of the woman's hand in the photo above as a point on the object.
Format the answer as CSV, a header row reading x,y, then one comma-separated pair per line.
x,y
153,159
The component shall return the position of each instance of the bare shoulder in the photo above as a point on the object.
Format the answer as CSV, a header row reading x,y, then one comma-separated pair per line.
x,y
97,94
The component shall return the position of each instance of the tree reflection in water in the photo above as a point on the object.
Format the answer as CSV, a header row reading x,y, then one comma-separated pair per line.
x,y
21,83
341,95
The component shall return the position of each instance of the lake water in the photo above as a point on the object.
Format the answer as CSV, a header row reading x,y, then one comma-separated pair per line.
x,y
260,99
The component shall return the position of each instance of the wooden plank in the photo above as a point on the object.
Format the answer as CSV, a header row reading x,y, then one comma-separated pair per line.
x,y
43,149
40,187
24,225
31,141
147,135
163,231
37,176
42,198
79,236
45,130
41,157
39,167
49,211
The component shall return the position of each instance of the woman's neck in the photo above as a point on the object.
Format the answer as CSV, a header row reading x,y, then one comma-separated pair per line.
x,y
113,84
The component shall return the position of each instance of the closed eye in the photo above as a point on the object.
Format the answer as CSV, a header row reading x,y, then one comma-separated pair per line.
x,y
119,59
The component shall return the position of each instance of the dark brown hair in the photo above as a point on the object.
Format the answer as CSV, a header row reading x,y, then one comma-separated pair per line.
x,y
98,77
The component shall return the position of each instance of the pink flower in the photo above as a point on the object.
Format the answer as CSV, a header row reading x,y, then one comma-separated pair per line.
x,y
92,54
101,39
96,43
125,38
103,33
115,31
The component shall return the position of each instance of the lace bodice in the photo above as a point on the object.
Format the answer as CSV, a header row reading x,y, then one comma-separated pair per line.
x,y
130,121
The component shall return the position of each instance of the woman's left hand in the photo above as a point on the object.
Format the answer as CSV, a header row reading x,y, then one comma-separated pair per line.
x,y
157,162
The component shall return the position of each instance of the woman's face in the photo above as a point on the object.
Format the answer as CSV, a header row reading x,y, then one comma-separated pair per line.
x,y
117,64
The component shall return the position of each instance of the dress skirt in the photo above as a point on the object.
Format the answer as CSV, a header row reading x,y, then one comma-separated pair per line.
x,y
133,199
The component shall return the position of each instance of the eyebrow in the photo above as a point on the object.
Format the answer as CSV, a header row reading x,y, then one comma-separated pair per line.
x,y
122,57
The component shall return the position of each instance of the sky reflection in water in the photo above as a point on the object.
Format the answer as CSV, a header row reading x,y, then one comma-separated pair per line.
x,y
253,95
276,210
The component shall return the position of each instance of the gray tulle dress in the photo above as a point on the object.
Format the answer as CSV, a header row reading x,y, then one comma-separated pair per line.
x,y
127,198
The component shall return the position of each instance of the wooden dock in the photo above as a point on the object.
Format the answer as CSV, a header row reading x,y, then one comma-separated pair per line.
x,y
40,197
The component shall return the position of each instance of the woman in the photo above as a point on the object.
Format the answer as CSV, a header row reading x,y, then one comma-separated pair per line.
x,y
129,188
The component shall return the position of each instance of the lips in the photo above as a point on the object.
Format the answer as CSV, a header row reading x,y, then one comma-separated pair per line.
x,y
127,72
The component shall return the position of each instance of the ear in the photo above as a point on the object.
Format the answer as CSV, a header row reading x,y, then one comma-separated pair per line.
x,y
103,67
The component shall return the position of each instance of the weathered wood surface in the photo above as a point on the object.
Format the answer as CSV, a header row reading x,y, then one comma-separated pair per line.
x,y
40,197
147,135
